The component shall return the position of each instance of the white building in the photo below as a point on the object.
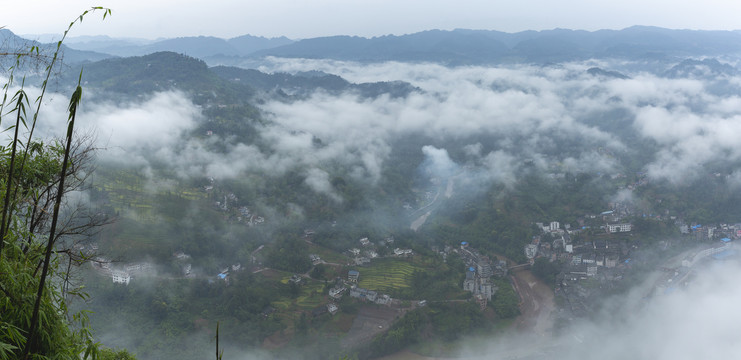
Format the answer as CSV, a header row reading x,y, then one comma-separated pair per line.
x,y
336,292
383,299
531,250
120,277
332,308
555,225
615,228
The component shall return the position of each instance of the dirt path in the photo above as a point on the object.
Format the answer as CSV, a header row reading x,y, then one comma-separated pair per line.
x,y
421,220
449,189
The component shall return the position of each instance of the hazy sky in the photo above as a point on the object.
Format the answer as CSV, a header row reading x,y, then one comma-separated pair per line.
x,y
304,18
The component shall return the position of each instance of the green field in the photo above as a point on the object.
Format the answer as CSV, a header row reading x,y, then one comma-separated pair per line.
x,y
384,275
312,294
129,190
328,255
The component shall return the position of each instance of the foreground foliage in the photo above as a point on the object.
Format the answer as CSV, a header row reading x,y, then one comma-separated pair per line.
x,y
35,241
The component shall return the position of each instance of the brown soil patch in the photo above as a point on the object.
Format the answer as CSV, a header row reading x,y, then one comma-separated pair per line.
x,y
271,274
371,320
537,303
344,322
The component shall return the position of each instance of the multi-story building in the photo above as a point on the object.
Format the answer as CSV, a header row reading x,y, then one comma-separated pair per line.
x,y
622,227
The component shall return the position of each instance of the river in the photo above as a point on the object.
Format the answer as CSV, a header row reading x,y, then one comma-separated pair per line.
x,y
536,308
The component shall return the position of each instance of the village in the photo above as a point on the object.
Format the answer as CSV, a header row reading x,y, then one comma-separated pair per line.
x,y
593,255
587,270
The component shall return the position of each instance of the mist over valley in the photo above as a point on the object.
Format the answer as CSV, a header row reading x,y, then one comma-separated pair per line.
x,y
444,194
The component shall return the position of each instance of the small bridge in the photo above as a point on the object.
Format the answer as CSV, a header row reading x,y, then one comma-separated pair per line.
x,y
520,266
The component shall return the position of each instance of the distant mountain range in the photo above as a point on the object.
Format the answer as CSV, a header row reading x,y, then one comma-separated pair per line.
x,y
302,84
12,43
456,47
137,75
199,46
481,47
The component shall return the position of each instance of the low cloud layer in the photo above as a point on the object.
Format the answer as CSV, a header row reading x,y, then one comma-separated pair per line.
x,y
691,121
485,125
555,118
699,321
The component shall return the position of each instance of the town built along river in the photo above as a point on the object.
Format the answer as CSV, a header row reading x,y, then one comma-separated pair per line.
x,y
533,327
536,298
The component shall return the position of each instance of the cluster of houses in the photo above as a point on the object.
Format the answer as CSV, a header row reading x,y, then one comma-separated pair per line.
x,y
224,206
605,259
350,287
248,217
315,259
321,310
123,274
364,256
357,292
479,272
710,232
584,259
224,273
361,255
403,252
244,215
367,251
183,260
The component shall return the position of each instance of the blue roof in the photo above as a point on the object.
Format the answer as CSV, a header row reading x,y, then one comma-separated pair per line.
x,y
464,243
221,276
725,239
471,269
353,272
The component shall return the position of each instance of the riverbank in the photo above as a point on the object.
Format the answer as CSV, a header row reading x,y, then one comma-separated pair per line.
x,y
536,308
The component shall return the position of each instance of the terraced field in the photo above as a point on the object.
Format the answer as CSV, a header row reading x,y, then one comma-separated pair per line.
x,y
130,190
312,295
384,275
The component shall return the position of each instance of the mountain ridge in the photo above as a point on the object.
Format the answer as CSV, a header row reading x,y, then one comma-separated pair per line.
x,y
449,47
